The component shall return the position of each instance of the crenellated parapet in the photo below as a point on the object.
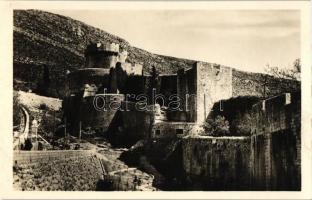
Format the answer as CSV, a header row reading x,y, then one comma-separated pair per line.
x,y
132,69
99,55
101,47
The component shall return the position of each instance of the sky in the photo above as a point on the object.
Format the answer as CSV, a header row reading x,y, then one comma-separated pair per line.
x,y
244,39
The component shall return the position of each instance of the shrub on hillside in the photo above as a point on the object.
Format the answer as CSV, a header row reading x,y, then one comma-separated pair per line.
x,y
218,126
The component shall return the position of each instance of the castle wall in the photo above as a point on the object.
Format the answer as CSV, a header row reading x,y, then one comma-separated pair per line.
x,y
96,76
171,129
130,124
269,158
217,163
134,85
132,69
213,84
99,119
186,90
83,110
136,124
274,161
275,114
104,60
168,87
276,142
101,55
260,162
260,85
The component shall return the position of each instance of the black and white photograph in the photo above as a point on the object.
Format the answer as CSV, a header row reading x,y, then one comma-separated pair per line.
x,y
156,100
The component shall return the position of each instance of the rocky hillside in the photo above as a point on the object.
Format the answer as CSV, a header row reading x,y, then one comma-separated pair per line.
x,y
43,39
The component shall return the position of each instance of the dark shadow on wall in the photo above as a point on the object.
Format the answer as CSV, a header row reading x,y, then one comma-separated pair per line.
x,y
120,135
236,112
286,171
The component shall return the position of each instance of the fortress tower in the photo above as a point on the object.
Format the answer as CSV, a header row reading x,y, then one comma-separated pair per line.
x,y
100,55
104,75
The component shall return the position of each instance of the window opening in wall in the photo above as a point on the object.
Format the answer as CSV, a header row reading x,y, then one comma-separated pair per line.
x,y
157,132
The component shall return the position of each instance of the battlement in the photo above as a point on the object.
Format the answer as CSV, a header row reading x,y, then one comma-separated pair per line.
x,y
99,55
132,69
108,47
101,47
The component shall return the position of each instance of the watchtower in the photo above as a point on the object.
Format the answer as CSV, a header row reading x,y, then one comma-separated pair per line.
x,y
99,55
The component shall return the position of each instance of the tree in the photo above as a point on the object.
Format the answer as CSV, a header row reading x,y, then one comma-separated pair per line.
x,y
153,83
292,73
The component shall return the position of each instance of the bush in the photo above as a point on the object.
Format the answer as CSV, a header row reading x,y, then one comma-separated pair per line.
x,y
241,125
218,126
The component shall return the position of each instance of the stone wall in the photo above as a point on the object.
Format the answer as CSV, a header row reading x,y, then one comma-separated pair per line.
x,y
83,110
186,90
168,86
274,162
276,114
260,85
276,142
130,125
137,124
214,82
262,162
267,159
96,76
101,55
99,118
135,85
171,129
132,69
217,163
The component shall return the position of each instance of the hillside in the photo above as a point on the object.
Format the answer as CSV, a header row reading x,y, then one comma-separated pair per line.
x,y
43,39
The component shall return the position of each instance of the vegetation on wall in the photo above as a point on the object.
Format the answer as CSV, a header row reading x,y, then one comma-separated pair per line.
x,y
234,114
292,73
218,126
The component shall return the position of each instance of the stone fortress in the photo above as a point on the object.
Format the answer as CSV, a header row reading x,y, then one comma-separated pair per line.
x,y
254,160
199,88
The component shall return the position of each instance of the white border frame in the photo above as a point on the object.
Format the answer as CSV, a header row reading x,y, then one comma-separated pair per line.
x,y
6,87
